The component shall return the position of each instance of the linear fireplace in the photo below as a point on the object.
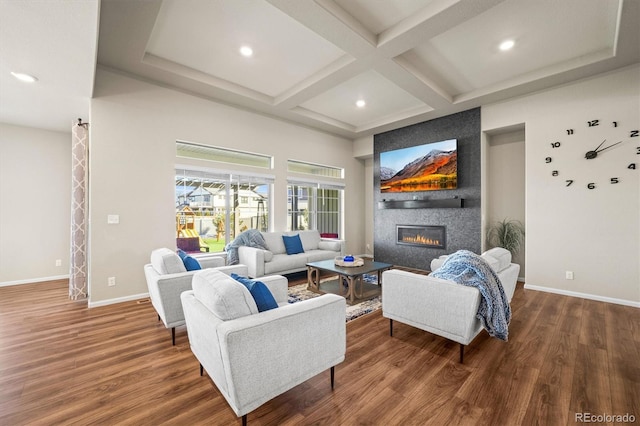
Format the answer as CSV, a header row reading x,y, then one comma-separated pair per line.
x,y
422,236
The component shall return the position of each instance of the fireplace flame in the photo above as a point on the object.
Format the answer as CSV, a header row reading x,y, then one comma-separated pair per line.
x,y
419,239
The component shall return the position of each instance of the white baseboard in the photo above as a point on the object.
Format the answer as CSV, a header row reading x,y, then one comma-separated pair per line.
x,y
118,300
584,295
34,280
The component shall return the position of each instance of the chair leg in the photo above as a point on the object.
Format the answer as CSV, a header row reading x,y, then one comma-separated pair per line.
x,y
391,327
244,420
201,370
333,375
173,336
461,353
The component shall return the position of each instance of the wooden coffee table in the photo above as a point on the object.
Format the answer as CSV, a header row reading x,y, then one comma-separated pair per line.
x,y
350,282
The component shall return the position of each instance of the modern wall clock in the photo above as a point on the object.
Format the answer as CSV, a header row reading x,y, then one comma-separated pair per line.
x,y
610,149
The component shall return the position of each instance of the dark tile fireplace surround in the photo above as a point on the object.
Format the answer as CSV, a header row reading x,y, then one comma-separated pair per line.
x,y
456,213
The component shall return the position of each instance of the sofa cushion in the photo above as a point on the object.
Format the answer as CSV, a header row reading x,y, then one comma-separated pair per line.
x,y
293,244
274,242
260,292
502,255
310,239
285,262
190,263
329,245
225,297
166,261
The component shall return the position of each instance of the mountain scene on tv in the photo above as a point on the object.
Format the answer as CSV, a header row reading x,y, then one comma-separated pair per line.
x,y
428,167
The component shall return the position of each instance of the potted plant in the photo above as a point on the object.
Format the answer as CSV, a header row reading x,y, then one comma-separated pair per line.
x,y
507,233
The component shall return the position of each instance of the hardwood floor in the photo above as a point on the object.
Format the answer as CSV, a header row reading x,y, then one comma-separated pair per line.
x,y
61,363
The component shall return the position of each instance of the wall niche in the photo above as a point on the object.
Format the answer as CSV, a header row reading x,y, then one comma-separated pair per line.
x,y
463,225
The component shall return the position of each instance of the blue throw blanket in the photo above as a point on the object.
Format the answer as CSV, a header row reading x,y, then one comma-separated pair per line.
x,y
467,268
250,238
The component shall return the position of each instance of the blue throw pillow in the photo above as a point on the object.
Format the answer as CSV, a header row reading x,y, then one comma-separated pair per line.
x,y
292,244
190,263
260,292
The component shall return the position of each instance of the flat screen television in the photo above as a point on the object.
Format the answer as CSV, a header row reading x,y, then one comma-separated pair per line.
x,y
428,167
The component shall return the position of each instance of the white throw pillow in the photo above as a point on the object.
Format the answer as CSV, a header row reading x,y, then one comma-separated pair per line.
x,y
274,242
503,256
222,295
492,261
166,261
310,240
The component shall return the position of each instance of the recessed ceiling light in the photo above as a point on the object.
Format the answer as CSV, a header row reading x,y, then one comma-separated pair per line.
x,y
24,77
246,51
360,103
507,44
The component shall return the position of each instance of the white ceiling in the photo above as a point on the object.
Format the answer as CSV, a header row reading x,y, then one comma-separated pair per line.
x,y
410,60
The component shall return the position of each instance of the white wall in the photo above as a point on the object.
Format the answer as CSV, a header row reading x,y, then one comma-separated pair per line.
x,y
35,204
505,181
593,233
132,148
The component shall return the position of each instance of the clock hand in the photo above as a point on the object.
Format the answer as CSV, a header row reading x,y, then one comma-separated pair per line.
x,y
596,150
590,155
607,147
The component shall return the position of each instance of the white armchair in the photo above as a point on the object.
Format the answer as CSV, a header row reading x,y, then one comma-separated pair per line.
x,y
439,306
167,277
253,357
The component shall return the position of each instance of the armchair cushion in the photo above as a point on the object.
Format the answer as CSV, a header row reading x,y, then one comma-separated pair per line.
x,y
292,244
260,292
190,263
166,261
225,297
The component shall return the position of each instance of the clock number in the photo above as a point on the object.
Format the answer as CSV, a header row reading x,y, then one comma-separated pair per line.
x,y
569,131
591,185
615,180
632,166
554,173
593,123
637,149
569,182
615,124
547,160
555,144
634,133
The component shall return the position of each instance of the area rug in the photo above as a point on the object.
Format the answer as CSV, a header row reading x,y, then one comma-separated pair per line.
x,y
299,292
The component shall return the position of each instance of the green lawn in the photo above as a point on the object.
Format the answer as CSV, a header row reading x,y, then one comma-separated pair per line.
x,y
214,245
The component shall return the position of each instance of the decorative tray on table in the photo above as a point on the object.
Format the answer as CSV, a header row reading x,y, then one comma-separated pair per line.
x,y
349,261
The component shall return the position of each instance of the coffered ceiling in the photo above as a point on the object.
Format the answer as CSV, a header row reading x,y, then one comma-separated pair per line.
x,y
408,60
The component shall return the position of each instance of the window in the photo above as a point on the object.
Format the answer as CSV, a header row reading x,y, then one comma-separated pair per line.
x,y
224,155
314,206
314,169
212,208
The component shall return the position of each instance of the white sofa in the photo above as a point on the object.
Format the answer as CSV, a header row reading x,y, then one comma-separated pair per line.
x,y
167,277
254,356
275,260
439,306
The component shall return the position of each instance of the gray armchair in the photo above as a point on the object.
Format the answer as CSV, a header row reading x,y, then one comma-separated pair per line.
x,y
254,356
